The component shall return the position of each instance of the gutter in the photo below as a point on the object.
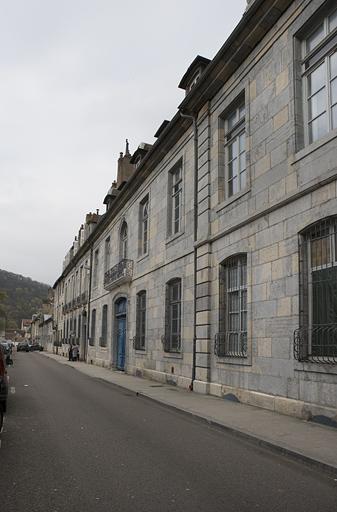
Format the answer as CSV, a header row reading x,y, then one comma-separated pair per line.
x,y
195,236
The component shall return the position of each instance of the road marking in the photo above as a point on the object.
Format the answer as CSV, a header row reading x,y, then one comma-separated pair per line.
x,y
13,390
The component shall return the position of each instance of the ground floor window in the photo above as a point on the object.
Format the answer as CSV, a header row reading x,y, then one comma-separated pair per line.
x,y
139,340
231,340
316,338
172,337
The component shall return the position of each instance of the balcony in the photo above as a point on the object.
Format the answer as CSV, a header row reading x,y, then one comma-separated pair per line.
x,y
119,274
84,298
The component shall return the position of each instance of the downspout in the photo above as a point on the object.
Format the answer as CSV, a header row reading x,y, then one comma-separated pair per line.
x,y
195,238
89,299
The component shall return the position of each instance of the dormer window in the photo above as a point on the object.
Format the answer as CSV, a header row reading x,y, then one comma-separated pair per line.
x,y
194,80
193,74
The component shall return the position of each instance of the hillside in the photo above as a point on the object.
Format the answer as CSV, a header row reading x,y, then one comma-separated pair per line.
x,y
22,298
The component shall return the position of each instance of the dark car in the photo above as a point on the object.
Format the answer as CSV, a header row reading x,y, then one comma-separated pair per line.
x,y
22,346
5,360
6,347
36,346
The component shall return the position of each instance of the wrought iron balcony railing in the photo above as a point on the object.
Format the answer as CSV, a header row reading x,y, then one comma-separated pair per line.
x,y
317,344
119,274
231,344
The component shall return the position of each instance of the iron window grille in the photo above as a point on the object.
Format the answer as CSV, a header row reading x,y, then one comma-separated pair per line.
x,y
93,328
319,71
231,340
172,338
316,338
235,149
104,332
139,339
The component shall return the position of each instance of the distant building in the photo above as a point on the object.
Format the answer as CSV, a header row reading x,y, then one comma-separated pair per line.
x,y
214,266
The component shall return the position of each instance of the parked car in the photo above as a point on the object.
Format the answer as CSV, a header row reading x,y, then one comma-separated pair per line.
x,y
5,360
22,346
36,346
6,346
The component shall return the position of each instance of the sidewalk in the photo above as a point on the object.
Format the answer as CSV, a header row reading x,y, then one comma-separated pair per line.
x,y
309,442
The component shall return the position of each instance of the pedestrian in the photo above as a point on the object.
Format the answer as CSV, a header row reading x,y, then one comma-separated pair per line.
x,y
70,353
75,353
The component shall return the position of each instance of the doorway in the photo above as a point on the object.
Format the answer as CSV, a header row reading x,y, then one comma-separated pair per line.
x,y
120,314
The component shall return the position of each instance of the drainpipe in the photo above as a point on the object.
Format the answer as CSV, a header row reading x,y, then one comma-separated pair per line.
x,y
195,238
89,298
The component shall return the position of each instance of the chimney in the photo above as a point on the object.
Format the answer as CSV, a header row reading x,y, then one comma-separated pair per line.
x,y
124,169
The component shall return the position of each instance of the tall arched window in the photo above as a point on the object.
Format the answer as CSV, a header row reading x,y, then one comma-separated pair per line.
x,y
124,241
316,338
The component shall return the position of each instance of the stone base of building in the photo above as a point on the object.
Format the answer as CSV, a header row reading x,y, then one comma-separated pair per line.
x,y
164,378
282,405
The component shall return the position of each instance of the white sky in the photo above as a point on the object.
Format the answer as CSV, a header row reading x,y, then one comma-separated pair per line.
x,y
78,77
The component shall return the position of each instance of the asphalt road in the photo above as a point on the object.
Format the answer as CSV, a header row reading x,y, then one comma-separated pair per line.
x,y
74,443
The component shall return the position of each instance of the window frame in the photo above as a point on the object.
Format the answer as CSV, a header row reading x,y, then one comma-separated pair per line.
x,y
232,135
104,327
229,342
92,328
312,340
123,240
170,305
175,225
311,61
141,321
143,247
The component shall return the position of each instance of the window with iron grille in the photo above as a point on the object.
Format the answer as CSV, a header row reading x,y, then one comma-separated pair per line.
x,y
124,241
139,342
93,328
319,72
175,200
104,332
235,149
316,338
144,226
231,340
172,338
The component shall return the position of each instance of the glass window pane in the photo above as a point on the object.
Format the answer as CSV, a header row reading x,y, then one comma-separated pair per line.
x,y
242,111
233,168
318,128
320,252
243,161
334,91
231,120
334,116
233,302
333,65
242,142
315,38
243,179
317,104
233,150
333,21
234,321
316,79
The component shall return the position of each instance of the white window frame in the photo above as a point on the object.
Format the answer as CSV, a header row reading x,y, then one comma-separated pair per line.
x,y
176,191
311,60
144,220
232,135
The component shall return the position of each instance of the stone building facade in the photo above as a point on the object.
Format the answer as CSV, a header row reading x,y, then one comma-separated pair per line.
x,y
214,266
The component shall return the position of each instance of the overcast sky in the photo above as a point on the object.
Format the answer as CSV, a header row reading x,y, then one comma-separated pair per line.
x,y
78,77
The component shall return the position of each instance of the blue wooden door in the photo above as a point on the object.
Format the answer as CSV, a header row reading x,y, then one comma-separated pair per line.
x,y
121,328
